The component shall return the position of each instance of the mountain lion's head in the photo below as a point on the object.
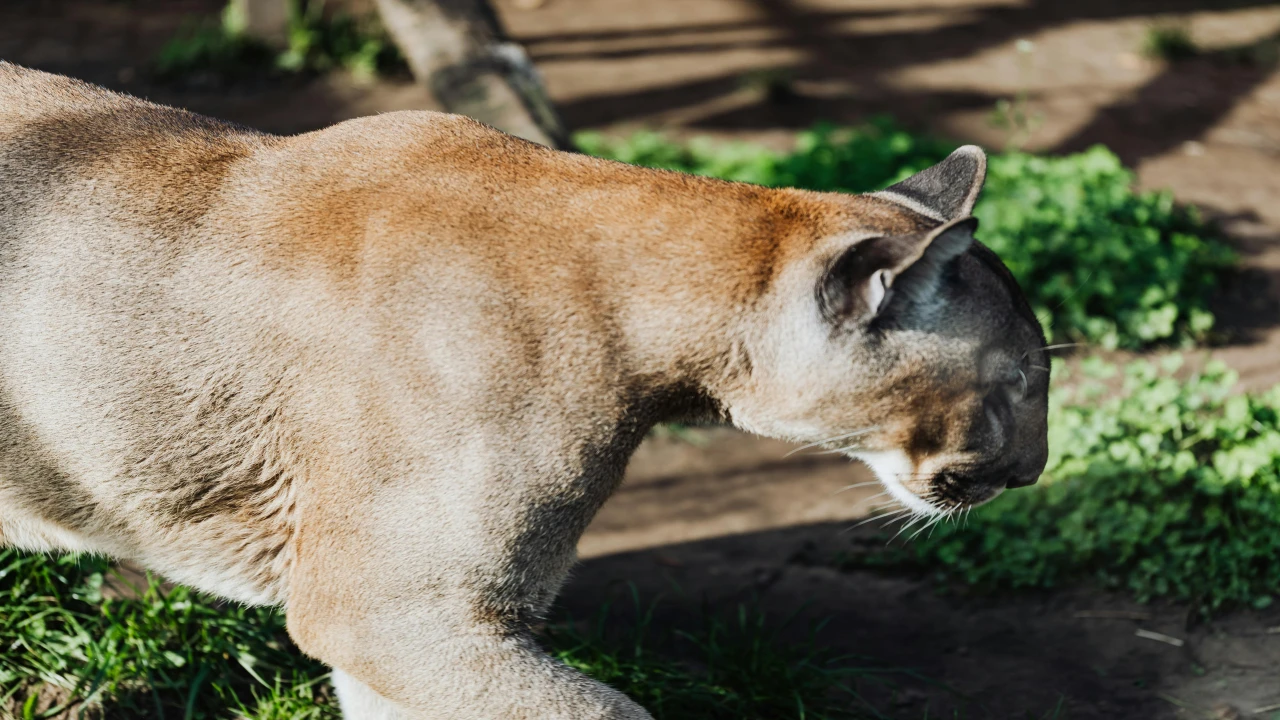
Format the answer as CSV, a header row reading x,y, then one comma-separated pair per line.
x,y
913,350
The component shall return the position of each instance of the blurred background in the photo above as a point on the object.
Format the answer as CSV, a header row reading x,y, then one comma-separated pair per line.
x,y
1134,190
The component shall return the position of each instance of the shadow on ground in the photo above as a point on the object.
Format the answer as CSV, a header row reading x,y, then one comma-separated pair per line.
x,y
731,522
861,62
1008,656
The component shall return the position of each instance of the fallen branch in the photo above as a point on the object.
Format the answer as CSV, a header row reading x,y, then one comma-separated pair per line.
x,y
1159,637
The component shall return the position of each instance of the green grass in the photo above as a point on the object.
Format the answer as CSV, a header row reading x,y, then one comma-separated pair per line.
x,y
317,42
1100,262
70,652
1168,489
172,654
729,668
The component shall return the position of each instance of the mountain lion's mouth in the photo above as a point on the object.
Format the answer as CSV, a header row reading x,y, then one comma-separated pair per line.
x,y
939,494
893,469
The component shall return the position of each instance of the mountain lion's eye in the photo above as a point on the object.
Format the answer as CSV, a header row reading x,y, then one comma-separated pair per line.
x,y
1018,385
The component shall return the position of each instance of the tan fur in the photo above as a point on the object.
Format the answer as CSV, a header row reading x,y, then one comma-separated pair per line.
x,y
383,374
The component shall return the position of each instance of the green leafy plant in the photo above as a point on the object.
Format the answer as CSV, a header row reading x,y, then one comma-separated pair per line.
x,y
825,158
218,49
317,42
1100,262
1170,41
1170,488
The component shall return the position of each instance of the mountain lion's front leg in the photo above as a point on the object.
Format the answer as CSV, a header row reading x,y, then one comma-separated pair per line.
x,y
521,684
420,596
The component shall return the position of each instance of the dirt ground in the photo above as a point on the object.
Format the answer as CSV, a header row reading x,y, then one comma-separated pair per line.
x,y
731,518
734,522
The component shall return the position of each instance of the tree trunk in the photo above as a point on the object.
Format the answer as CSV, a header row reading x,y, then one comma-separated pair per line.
x,y
458,49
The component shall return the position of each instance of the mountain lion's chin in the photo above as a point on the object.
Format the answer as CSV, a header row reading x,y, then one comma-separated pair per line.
x,y
925,492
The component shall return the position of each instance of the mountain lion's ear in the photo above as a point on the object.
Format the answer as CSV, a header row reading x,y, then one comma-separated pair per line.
x,y
945,191
865,277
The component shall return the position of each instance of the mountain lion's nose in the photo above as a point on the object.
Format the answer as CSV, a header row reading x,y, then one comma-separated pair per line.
x,y
1017,481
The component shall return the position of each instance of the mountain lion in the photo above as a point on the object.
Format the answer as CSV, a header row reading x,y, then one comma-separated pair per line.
x,y
383,374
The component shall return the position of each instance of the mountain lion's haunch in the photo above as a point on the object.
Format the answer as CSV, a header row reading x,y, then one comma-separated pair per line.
x,y
384,374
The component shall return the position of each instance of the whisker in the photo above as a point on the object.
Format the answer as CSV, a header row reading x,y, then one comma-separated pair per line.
x,y
1061,346
837,451
1047,348
855,433
878,517
935,526
858,485
873,497
846,448
878,510
901,517
914,519
864,521
1073,292
926,527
